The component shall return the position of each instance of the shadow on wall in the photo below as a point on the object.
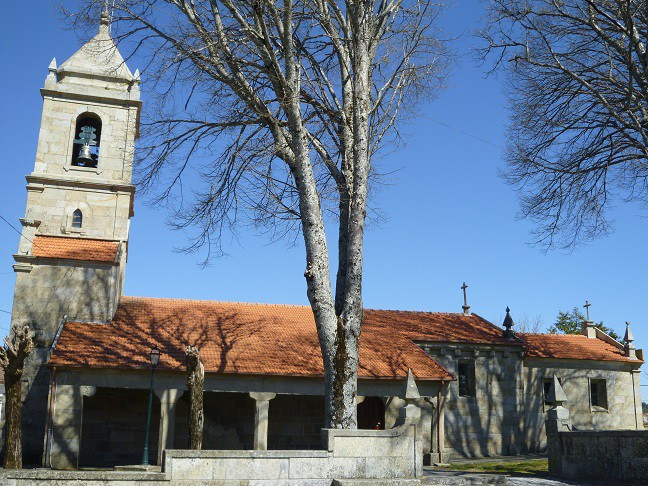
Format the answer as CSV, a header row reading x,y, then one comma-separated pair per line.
x,y
228,421
497,420
42,298
114,428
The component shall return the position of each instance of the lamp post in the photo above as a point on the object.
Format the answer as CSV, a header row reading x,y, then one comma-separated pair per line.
x,y
155,358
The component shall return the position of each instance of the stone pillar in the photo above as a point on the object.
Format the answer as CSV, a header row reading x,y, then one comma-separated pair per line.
x,y
439,444
168,400
67,419
557,421
261,419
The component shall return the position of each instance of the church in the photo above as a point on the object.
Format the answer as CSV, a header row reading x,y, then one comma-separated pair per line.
x,y
483,387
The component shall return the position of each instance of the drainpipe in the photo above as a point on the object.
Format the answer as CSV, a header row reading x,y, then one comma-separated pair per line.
x,y
47,460
634,397
439,412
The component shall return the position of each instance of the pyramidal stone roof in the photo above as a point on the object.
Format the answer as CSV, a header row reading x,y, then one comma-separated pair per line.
x,y
99,57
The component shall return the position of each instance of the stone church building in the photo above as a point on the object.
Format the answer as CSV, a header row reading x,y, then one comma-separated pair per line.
x,y
86,396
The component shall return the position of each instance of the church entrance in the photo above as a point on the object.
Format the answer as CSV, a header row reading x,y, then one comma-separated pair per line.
x,y
371,414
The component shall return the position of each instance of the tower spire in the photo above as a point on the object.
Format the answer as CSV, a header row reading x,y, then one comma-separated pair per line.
x,y
629,349
508,324
104,19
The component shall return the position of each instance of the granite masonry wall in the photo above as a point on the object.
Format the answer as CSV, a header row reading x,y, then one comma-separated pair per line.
x,y
507,412
609,456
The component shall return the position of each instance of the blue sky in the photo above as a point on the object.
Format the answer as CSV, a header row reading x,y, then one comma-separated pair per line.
x,y
450,218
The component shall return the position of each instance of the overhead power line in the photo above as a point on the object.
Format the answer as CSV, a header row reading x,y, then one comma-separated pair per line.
x,y
14,228
463,132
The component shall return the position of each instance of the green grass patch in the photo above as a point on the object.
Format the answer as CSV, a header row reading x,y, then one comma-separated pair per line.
x,y
538,467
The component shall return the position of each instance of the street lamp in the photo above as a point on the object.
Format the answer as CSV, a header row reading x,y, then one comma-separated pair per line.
x,y
155,359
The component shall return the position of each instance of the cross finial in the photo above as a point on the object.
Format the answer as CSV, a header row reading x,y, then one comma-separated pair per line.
x,y
587,306
104,19
465,306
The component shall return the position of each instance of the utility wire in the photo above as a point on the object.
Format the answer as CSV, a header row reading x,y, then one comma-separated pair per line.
x,y
462,131
13,228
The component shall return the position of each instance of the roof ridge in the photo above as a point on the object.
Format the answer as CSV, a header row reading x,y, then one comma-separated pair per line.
x,y
270,304
209,301
550,334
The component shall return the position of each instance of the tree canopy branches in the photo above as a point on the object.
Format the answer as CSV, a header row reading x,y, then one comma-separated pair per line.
x,y
578,92
275,111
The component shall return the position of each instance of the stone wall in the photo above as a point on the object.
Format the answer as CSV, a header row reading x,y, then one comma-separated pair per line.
x,y
488,423
506,415
43,297
228,421
609,456
623,396
348,454
114,428
295,422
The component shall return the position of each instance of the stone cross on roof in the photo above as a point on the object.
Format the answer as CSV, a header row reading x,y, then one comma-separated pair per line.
x,y
465,306
587,306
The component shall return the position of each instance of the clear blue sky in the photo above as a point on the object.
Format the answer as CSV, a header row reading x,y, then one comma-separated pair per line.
x,y
450,217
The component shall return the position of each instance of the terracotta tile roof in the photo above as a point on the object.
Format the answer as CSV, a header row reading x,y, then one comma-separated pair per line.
x,y
571,346
75,248
282,340
234,338
436,327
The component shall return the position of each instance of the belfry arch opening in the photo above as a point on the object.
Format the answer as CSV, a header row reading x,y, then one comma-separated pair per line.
x,y
87,140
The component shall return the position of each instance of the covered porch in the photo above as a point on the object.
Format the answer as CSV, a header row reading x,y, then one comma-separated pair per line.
x,y
98,417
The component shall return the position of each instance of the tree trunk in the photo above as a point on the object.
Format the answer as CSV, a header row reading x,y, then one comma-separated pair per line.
x,y
17,347
196,386
13,424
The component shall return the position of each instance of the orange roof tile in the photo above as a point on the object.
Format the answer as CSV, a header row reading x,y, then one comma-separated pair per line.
x,y
282,340
436,327
75,248
571,346
233,338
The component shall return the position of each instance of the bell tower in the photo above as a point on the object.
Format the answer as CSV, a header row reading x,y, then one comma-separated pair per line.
x,y
72,253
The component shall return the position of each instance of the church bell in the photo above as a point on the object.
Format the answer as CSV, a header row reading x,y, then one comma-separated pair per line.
x,y
85,156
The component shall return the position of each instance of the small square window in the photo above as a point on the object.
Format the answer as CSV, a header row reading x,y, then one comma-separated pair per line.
x,y
598,394
466,372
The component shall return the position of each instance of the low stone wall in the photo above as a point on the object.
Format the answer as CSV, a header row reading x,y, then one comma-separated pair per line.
x,y
349,454
605,455
376,454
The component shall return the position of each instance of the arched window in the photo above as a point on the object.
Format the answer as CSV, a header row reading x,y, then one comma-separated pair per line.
x,y
87,137
77,218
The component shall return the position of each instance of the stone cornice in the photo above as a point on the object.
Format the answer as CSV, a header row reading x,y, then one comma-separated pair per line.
x,y
24,261
111,97
56,180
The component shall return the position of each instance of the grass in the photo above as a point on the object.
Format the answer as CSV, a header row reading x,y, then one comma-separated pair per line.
x,y
538,467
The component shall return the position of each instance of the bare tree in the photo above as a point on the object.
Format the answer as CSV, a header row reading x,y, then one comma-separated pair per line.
x,y
529,324
17,347
578,90
196,387
280,108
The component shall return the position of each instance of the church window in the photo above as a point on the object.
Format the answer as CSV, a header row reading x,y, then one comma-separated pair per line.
x,y
77,218
87,138
466,372
598,393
